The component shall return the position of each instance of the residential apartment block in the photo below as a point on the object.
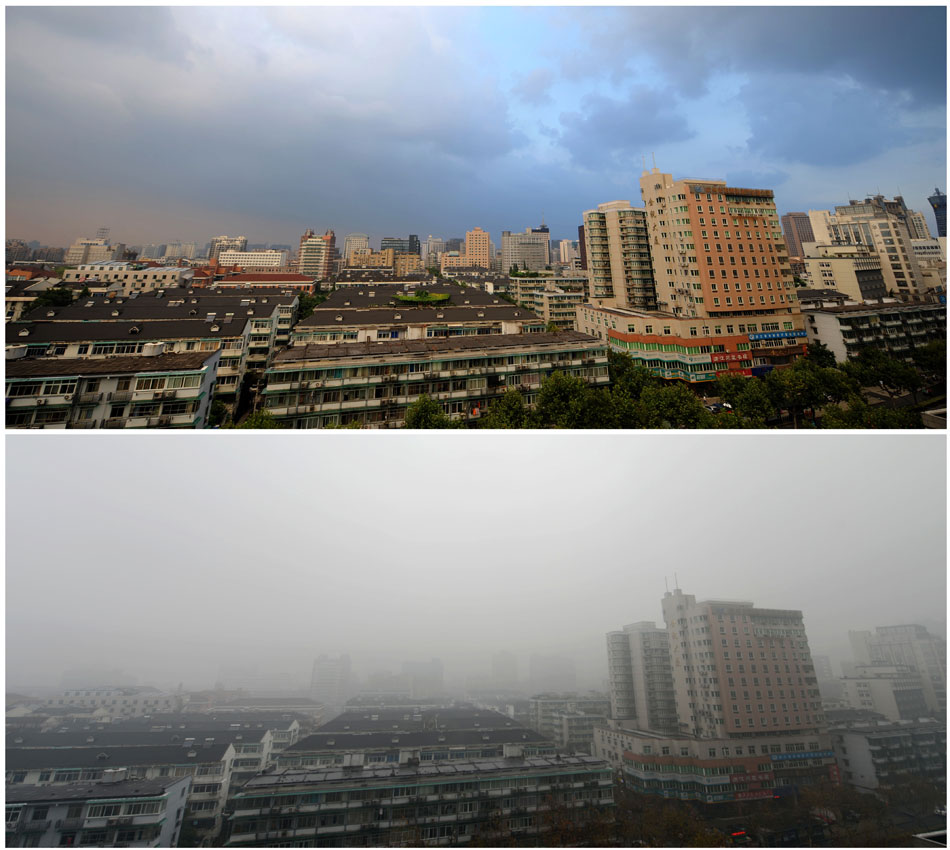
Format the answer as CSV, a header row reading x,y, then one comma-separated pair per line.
x,y
414,803
892,690
874,756
619,268
114,812
128,277
641,678
530,251
225,243
797,229
893,326
312,386
96,250
151,391
316,254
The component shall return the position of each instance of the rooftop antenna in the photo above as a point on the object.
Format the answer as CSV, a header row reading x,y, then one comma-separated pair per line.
x,y
676,581
666,582
644,161
654,158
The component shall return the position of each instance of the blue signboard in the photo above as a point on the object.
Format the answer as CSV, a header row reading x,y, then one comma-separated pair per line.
x,y
813,754
778,335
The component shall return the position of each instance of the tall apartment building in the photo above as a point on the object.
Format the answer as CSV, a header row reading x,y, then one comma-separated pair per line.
x,y
530,250
617,249
797,229
892,690
717,251
226,243
181,250
330,682
354,241
641,678
912,646
316,254
740,671
431,249
883,226
478,248
938,202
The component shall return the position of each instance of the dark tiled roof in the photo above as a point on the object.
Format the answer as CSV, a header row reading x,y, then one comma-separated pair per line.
x,y
420,347
89,790
354,741
195,328
29,367
361,720
411,315
32,758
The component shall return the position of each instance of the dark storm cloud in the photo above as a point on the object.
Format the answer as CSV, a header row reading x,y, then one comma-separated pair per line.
x,y
887,48
831,124
608,127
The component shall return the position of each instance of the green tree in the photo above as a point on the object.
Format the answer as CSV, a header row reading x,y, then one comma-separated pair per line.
x,y
426,412
259,420
307,301
551,328
754,405
859,414
873,367
730,388
218,413
507,412
55,297
626,374
799,387
561,402
821,355
673,406
931,360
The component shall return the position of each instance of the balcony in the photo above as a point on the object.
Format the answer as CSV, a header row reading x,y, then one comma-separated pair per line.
x,y
83,423
89,398
119,397
115,422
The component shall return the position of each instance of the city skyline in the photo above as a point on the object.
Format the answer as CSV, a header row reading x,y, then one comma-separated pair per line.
x,y
532,112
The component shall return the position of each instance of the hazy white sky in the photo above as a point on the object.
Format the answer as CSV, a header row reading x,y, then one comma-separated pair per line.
x,y
174,555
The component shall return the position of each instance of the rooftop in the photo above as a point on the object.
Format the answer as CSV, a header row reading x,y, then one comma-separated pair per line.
x,y
419,347
131,365
393,739
429,771
154,330
89,790
413,314
38,758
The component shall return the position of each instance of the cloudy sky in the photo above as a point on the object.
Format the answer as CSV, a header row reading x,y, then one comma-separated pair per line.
x,y
176,556
169,123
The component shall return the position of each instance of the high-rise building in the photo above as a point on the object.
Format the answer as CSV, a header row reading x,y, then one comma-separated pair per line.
x,y
352,242
740,671
641,678
478,248
254,259
582,246
567,251
530,250
316,254
912,646
797,229
224,243
619,270
84,251
718,251
883,226
853,270
938,202
401,246
330,682
431,250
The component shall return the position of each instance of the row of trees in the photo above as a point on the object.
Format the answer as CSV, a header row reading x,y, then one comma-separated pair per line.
x,y
635,399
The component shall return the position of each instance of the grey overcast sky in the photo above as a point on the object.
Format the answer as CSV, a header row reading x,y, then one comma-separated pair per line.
x,y
172,556
183,123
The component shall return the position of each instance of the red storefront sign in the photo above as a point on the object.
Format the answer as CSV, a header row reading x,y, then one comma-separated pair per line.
x,y
754,795
729,356
750,777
